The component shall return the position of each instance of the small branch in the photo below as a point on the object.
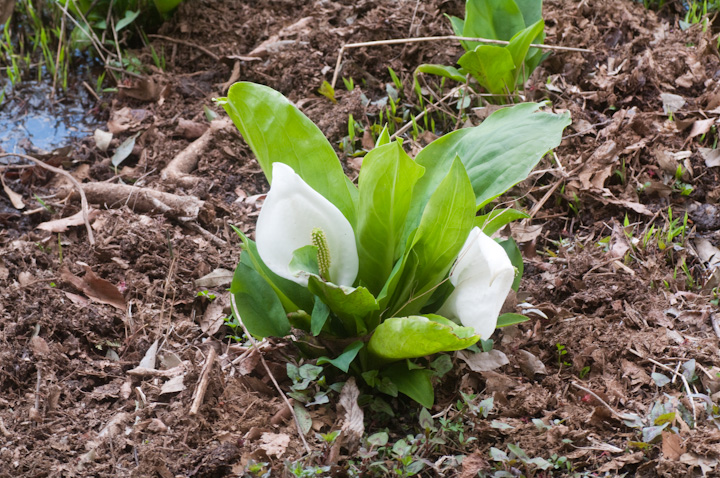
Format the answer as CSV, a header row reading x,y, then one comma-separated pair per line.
x,y
203,383
401,41
267,369
83,200
187,43
623,416
430,107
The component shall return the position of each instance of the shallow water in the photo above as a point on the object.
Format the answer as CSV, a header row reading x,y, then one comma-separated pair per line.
x,y
31,120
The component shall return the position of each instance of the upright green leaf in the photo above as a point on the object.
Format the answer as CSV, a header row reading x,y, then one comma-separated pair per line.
x,y
495,220
351,305
343,360
531,10
497,154
258,305
519,47
516,259
493,19
277,131
492,66
417,336
386,181
444,226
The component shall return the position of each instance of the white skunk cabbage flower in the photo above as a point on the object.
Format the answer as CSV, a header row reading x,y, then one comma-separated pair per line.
x,y
295,215
482,276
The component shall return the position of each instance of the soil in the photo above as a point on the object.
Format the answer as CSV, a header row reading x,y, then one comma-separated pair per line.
x,y
103,347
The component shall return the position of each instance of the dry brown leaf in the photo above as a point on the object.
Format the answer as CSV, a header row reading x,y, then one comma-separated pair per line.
x,y
353,428
15,198
472,464
530,364
216,278
525,232
62,225
214,315
484,361
701,127
102,139
97,289
274,444
672,446
125,119
711,157
671,102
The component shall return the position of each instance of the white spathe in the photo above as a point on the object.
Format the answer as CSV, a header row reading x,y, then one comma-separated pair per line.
x,y
291,211
482,276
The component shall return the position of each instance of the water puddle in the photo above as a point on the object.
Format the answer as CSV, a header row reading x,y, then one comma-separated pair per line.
x,y
31,120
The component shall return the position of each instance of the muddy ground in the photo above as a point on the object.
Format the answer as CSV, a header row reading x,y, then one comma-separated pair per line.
x,y
613,303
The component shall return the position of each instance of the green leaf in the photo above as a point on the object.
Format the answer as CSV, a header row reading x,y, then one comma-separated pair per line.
x,y
519,47
458,24
277,131
417,336
343,360
508,319
492,66
444,227
320,314
259,307
516,259
531,10
415,384
166,6
129,17
305,260
351,305
293,296
497,154
497,219
441,70
493,19
386,181
384,138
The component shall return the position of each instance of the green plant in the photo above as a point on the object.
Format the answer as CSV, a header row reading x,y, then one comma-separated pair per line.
x,y
499,70
370,276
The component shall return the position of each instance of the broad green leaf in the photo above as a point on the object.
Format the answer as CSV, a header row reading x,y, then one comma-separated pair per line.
x,y
277,131
383,139
441,70
516,259
495,220
492,66
259,307
320,314
292,295
351,305
531,10
129,17
166,6
444,226
519,47
508,319
415,384
458,24
497,154
417,336
343,360
386,181
493,19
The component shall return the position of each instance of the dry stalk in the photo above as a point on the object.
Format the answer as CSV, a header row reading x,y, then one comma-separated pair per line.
x,y
203,383
272,377
83,199
402,41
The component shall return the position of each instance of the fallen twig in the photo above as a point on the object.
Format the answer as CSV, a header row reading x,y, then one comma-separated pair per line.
x,y
83,199
623,416
401,41
187,43
267,369
203,383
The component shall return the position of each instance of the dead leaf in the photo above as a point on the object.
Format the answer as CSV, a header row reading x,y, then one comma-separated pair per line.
x,y
146,89
39,347
620,462
705,464
97,289
525,232
15,198
353,428
25,278
530,364
150,357
62,225
218,277
701,127
484,361
274,444
214,315
497,382
174,385
102,139
671,103
472,464
125,119
672,446
711,157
